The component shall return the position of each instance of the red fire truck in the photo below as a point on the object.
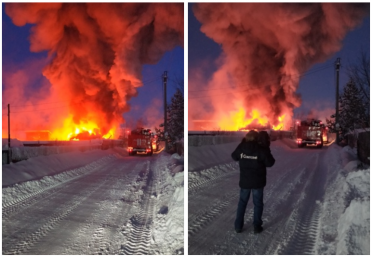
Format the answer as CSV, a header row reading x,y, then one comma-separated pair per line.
x,y
142,141
311,132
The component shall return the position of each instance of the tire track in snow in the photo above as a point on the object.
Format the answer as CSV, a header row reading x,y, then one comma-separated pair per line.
x,y
209,176
15,212
137,231
233,243
138,241
290,186
294,198
20,246
102,242
30,198
26,239
201,219
219,179
109,210
304,235
206,216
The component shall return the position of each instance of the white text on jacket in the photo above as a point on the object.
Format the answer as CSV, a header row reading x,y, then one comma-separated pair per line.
x,y
248,157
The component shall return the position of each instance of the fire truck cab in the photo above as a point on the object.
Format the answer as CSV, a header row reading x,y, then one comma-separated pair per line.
x,y
140,141
311,132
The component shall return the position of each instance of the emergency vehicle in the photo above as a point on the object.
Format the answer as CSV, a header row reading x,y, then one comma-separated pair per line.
x,y
311,132
142,141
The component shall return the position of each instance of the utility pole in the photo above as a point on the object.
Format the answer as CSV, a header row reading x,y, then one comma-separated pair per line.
x,y
164,77
337,100
8,133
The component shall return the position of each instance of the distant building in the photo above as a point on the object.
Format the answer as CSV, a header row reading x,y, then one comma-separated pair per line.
x,y
38,135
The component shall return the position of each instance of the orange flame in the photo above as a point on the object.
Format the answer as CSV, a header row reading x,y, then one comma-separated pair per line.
x,y
71,130
237,120
280,125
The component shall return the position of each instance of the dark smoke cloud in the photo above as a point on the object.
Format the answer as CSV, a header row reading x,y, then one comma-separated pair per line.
x,y
267,46
98,50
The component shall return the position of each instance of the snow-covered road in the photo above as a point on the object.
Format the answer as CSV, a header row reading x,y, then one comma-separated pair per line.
x,y
112,207
293,199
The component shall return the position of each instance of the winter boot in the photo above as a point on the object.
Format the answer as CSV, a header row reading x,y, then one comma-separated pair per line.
x,y
258,229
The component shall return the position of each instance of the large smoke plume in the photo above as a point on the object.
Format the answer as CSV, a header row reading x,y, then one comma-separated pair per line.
x,y
266,47
97,51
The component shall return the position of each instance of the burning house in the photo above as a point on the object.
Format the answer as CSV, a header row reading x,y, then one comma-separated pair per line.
x,y
38,135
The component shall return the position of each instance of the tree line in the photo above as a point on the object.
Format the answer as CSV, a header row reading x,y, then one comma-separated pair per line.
x,y
175,121
354,100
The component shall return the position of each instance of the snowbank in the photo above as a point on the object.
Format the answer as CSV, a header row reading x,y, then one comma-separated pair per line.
x,y
40,166
169,219
207,156
354,235
32,187
345,217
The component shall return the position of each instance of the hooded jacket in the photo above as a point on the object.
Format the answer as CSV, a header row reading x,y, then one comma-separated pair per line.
x,y
253,160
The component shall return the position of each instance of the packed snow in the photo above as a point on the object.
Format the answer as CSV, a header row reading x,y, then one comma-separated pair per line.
x,y
94,202
317,201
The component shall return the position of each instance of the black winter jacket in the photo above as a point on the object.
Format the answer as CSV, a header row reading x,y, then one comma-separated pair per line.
x,y
253,160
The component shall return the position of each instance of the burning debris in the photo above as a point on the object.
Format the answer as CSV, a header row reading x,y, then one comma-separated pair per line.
x,y
97,51
266,47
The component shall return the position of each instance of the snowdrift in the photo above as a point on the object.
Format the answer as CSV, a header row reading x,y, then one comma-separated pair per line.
x,y
40,166
346,208
205,156
169,220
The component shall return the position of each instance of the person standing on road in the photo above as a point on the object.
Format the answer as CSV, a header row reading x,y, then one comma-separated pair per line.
x,y
254,155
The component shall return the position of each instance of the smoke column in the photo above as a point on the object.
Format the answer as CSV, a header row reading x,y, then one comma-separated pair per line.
x,y
266,47
97,51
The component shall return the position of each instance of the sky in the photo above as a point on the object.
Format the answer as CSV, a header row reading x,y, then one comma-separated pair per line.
x,y
316,85
150,95
21,66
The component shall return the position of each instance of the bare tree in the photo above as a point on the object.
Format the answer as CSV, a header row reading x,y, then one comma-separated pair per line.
x,y
359,73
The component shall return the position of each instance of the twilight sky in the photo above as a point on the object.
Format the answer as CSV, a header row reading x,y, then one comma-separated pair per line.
x,y
207,62
32,95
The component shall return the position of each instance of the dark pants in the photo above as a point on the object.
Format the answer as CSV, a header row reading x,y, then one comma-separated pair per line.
x,y
257,195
